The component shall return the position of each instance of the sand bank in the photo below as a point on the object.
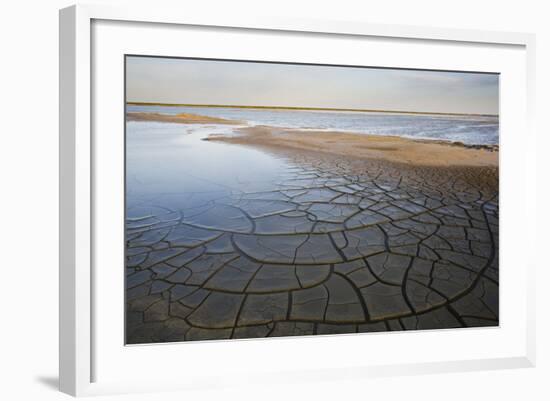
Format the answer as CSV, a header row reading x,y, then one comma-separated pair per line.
x,y
182,118
390,148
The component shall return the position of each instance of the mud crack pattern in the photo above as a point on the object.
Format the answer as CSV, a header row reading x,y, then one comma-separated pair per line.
x,y
330,246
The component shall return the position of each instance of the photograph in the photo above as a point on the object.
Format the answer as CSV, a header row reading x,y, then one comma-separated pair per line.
x,y
269,199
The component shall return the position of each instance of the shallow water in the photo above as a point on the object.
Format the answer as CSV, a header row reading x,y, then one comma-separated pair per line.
x,y
166,163
472,130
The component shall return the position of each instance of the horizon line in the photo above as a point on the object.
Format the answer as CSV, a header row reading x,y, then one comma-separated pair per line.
x,y
309,108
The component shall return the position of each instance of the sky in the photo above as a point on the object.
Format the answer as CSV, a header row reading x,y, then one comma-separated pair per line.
x,y
194,81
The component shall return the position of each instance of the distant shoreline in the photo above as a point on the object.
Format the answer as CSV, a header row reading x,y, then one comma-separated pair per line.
x,y
309,109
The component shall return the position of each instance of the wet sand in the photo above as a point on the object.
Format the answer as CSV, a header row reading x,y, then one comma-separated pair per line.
x,y
389,148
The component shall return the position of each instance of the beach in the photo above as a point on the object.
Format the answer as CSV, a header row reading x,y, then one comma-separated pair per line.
x,y
244,231
368,147
181,118
379,147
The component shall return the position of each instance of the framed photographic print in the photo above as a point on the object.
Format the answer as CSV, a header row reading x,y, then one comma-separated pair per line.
x,y
236,192
345,200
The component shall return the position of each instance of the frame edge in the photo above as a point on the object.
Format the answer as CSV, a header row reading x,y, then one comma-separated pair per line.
x,y
74,201
67,112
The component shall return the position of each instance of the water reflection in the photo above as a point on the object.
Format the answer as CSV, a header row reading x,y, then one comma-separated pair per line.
x,y
167,159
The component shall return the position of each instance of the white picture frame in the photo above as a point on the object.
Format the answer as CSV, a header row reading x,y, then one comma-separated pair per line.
x,y
79,344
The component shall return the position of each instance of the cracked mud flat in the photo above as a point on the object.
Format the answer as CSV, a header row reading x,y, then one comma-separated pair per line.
x,y
289,243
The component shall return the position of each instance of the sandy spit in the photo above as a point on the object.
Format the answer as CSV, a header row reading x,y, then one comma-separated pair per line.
x,y
389,148
182,118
